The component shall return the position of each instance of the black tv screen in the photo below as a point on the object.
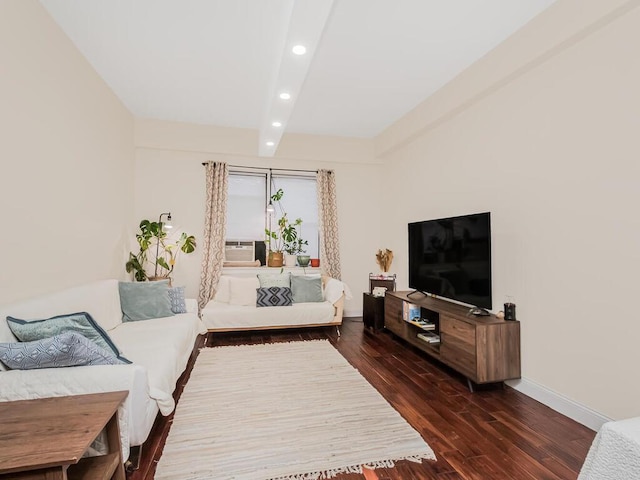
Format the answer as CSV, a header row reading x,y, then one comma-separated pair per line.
x,y
451,258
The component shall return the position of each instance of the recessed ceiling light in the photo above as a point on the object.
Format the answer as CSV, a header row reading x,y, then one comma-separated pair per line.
x,y
276,124
299,49
285,96
270,144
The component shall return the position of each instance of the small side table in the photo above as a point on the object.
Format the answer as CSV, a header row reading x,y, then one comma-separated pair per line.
x,y
373,311
46,438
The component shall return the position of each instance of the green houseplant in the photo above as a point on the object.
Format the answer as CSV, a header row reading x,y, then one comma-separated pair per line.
x,y
153,234
284,238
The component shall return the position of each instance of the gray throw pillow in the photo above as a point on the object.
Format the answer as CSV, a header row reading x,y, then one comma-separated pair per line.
x,y
144,300
81,322
271,280
68,349
178,302
274,297
306,289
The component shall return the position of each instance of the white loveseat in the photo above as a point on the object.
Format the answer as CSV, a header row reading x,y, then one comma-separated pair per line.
x,y
234,307
159,350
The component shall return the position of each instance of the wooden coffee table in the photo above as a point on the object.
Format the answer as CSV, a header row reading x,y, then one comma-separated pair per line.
x,y
45,438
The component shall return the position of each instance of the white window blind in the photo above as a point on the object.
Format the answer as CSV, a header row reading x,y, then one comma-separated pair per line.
x,y
246,207
300,201
248,197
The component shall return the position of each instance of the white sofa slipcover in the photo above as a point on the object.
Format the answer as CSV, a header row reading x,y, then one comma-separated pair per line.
x,y
159,349
221,314
614,453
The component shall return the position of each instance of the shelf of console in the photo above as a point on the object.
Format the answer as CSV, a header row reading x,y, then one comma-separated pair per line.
x,y
485,349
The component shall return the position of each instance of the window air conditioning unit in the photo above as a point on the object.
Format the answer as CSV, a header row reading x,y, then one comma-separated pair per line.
x,y
236,251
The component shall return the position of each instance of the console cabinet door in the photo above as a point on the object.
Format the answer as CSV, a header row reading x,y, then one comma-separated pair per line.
x,y
458,345
393,315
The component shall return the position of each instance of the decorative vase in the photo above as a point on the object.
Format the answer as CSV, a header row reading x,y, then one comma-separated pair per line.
x,y
303,260
315,262
159,278
290,260
275,259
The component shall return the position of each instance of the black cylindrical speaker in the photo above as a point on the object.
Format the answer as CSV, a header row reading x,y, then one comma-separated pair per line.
x,y
509,311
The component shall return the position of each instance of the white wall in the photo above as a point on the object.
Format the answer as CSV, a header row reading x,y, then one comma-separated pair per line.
x,y
169,176
67,160
550,147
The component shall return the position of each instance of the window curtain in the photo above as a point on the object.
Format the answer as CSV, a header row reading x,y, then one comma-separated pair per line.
x,y
328,220
215,224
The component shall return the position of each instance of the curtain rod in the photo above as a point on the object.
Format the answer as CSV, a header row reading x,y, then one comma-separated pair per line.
x,y
267,168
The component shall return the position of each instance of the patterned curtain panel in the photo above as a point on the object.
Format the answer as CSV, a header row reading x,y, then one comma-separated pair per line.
x,y
215,225
328,213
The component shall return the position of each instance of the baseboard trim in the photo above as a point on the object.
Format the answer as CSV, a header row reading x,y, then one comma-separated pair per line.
x,y
574,410
352,313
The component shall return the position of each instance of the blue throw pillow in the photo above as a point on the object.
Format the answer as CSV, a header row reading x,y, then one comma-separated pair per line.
x,y
144,300
68,349
306,289
274,297
176,297
81,322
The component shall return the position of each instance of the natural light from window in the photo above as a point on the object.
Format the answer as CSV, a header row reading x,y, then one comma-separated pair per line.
x,y
247,203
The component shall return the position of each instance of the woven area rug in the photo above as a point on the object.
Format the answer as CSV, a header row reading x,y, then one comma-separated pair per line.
x,y
294,411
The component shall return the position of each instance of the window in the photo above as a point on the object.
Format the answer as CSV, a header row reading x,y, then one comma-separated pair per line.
x,y
246,207
300,201
248,197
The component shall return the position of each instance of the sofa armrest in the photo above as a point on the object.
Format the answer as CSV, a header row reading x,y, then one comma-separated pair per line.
x,y
335,289
60,382
338,305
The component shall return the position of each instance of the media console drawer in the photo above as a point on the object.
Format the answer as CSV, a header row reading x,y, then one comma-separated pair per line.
x,y
458,333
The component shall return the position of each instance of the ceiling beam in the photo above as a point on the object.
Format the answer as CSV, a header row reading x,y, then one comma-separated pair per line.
x,y
306,25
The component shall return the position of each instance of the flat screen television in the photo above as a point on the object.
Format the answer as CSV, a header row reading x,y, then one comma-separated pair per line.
x,y
451,258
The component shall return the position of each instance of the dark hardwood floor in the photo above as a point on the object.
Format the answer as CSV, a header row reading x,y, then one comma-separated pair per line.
x,y
494,433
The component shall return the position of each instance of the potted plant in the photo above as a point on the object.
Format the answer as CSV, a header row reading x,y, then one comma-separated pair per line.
x,y
293,243
283,238
163,259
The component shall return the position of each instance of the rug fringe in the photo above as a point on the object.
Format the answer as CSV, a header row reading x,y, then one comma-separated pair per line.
x,y
333,472
274,342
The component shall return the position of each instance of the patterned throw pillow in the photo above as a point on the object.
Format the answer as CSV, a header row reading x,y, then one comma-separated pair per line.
x,y
274,297
68,349
81,322
178,303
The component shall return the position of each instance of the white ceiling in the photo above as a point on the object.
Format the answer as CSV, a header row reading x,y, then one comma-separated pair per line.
x,y
223,62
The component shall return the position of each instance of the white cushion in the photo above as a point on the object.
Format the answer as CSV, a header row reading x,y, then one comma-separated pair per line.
x,y
242,291
225,316
100,299
222,290
162,346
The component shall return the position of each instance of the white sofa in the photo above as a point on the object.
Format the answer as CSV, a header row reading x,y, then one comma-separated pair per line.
x,y
614,453
159,349
234,307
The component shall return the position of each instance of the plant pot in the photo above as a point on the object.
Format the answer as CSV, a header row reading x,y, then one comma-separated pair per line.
x,y
289,260
157,279
303,260
275,259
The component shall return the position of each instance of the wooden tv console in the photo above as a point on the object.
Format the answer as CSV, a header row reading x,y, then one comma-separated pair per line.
x,y
485,349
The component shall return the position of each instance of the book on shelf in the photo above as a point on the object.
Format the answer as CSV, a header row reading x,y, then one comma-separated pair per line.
x,y
429,337
423,324
410,312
